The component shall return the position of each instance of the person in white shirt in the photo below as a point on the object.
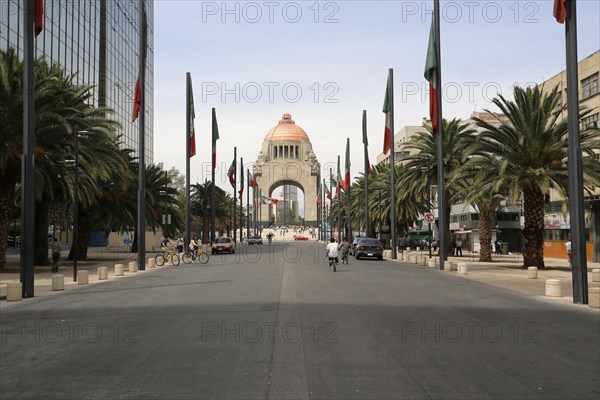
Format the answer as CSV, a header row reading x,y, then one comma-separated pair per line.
x,y
332,250
568,247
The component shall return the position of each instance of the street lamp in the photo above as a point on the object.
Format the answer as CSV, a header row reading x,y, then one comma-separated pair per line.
x,y
426,170
78,134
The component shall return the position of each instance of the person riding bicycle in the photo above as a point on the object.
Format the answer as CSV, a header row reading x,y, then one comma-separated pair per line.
x,y
194,246
345,248
165,243
332,253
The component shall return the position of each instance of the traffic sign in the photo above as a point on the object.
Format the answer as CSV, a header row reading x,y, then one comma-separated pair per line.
x,y
429,217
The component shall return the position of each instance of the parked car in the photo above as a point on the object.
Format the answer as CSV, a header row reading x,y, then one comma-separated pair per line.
x,y
300,237
255,240
223,245
369,247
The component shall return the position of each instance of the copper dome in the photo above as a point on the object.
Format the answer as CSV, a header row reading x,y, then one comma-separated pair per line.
x,y
286,130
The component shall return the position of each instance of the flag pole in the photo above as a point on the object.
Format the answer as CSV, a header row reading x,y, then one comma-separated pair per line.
x,y
392,167
241,198
331,203
440,139
188,133
28,163
349,218
141,142
247,203
577,225
234,198
213,191
366,151
339,206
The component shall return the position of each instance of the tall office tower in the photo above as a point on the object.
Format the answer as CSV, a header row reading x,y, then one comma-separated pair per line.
x,y
97,40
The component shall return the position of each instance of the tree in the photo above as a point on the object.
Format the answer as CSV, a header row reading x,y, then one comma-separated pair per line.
x,y
457,137
531,149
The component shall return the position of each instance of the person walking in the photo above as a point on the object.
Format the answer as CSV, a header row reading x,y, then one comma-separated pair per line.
x,y
568,248
56,247
180,244
459,244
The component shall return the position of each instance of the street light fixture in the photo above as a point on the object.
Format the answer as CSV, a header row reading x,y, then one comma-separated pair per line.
x,y
426,170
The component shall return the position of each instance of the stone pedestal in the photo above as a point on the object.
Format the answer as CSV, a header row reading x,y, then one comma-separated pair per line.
x,y
83,277
58,282
532,272
553,288
594,297
151,263
462,268
596,275
14,291
119,270
102,273
431,263
133,267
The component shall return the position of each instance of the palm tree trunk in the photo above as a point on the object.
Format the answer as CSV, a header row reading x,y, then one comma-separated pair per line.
x,y
7,202
533,231
485,236
134,244
85,226
205,229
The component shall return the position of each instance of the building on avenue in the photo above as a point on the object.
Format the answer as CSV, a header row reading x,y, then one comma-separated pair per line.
x,y
97,40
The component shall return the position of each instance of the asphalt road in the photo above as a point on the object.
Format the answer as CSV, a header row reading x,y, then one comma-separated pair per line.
x,y
281,324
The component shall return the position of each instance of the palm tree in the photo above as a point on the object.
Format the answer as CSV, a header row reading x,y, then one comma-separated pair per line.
x,y
531,148
457,137
200,202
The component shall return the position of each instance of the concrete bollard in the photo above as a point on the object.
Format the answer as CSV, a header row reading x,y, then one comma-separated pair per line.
x,y
102,273
448,266
119,270
133,267
532,273
424,260
596,275
431,264
405,257
462,268
553,288
413,259
151,263
14,291
407,249
58,282
594,297
83,277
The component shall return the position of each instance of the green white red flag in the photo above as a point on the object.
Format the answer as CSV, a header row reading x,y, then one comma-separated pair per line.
x,y
346,180
232,172
328,192
252,180
192,137
38,18
431,71
241,191
215,137
560,11
268,200
387,134
137,96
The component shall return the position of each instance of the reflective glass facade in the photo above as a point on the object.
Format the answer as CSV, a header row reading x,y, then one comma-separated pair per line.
x,y
98,41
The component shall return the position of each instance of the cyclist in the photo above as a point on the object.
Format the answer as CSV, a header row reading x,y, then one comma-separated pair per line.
x,y
332,253
165,244
194,246
345,248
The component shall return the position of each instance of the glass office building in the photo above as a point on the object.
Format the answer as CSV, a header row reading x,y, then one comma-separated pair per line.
x,y
97,40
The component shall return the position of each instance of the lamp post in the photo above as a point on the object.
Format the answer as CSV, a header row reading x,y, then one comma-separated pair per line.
x,y
426,170
78,134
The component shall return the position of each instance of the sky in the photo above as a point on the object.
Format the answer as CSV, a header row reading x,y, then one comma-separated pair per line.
x,y
326,62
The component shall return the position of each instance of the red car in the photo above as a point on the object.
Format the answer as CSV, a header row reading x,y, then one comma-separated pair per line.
x,y
300,237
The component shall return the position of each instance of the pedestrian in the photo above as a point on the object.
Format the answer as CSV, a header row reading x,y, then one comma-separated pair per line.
x,y
498,246
180,243
568,247
459,244
453,247
56,247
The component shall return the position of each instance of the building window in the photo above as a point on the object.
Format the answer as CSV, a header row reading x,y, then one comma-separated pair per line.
x,y
590,122
589,86
548,234
474,217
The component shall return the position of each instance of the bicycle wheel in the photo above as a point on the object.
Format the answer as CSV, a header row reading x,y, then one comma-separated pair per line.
x,y
187,258
203,257
175,259
159,260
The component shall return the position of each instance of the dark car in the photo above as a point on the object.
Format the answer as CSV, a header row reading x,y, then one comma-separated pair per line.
x,y
255,240
369,247
223,245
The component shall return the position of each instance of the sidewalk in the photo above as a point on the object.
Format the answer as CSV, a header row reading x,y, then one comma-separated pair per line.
x,y
97,257
506,271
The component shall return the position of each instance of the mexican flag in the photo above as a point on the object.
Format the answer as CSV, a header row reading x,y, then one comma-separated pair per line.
x,y
215,137
366,142
328,192
38,18
241,191
431,66
231,173
192,137
252,180
347,170
338,181
137,96
387,134
268,200
560,11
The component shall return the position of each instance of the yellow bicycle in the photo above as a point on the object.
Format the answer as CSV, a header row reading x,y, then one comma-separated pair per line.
x,y
193,255
167,256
